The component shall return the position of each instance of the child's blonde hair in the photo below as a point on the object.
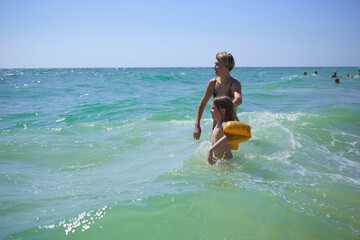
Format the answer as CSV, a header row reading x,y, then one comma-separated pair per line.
x,y
226,103
227,59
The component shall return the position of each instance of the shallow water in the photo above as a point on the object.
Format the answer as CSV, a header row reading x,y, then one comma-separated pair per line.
x,y
108,153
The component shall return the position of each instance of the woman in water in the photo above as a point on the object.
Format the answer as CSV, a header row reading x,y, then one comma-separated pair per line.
x,y
223,85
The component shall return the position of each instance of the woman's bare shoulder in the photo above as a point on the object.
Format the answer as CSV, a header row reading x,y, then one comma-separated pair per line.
x,y
236,82
212,80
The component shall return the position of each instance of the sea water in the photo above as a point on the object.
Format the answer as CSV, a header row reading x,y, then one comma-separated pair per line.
x,y
109,154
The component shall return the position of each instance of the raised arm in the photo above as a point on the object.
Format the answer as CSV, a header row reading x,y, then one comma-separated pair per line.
x,y
204,100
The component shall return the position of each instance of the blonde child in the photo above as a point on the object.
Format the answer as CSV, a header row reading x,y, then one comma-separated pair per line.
x,y
222,110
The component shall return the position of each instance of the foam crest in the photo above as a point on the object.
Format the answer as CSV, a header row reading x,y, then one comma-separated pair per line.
x,y
276,132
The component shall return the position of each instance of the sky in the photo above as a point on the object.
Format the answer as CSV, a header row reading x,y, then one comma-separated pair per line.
x,y
186,33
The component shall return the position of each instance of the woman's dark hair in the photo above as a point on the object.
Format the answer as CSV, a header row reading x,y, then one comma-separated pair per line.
x,y
226,103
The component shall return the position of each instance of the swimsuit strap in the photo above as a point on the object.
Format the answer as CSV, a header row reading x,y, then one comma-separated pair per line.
x,y
215,92
231,85
229,93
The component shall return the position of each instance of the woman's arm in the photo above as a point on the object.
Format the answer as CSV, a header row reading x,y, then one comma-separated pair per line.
x,y
207,95
236,88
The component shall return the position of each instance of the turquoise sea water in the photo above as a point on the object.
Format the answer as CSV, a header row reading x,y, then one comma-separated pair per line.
x,y
109,154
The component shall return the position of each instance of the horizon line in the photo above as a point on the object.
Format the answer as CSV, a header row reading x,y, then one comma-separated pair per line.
x,y
179,67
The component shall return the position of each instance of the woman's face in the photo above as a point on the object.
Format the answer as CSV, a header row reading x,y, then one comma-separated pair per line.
x,y
220,68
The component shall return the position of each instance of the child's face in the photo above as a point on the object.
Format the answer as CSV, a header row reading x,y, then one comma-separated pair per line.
x,y
215,113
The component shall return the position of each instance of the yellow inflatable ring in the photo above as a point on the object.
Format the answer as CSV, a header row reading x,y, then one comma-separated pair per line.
x,y
238,131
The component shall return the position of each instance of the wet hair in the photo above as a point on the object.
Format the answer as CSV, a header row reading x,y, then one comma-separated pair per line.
x,y
227,59
226,103
337,81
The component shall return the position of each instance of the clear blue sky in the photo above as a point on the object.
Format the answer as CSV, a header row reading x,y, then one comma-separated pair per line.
x,y
186,33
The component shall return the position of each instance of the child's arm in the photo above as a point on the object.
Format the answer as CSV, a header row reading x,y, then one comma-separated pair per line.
x,y
223,140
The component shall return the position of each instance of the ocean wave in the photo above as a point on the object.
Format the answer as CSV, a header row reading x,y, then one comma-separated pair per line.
x,y
76,140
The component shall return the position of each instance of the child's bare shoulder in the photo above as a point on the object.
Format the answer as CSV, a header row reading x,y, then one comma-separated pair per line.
x,y
218,132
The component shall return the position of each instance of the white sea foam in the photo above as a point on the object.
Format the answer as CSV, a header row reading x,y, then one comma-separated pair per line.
x,y
282,156
61,119
182,122
341,179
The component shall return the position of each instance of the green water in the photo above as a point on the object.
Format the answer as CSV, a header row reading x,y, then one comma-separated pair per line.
x,y
108,153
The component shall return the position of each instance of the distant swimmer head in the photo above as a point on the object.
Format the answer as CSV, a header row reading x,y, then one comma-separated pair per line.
x,y
337,80
227,59
305,73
